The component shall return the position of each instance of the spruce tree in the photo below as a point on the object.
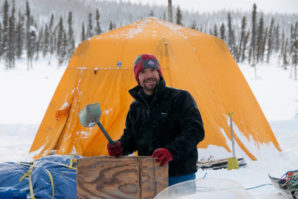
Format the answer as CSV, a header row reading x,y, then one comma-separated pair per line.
x,y
179,16
55,39
281,52
39,43
242,39
62,55
276,43
230,34
260,39
4,45
249,56
28,36
60,38
90,27
83,34
1,38
52,41
222,32
45,43
10,59
294,47
285,56
193,25
33,37
97,28
244,47
20,36
210,31
264,41
70,47
151,14
164,16
112,25
253,35
215,31
270,40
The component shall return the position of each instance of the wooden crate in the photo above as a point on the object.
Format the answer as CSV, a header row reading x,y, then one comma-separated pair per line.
x,y
120,178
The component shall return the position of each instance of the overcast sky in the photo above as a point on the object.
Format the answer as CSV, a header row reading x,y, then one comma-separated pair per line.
x,y
280,6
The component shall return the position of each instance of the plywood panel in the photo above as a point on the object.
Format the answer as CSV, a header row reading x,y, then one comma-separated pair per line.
x,y
124,178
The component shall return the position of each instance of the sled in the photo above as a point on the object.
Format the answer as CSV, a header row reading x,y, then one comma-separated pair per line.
x,y
218,164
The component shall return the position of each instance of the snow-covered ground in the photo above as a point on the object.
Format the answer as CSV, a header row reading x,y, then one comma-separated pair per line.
x,y
25,96
277,95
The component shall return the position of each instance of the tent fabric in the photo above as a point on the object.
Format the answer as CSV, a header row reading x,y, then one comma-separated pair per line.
x,y
50,177
101,70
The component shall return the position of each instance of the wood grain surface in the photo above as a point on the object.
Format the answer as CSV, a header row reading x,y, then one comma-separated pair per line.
x,y
107,177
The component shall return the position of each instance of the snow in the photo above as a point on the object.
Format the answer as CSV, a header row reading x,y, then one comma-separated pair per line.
x,y
25,96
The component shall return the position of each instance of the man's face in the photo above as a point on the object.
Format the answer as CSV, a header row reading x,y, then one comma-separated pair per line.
x,y
149,79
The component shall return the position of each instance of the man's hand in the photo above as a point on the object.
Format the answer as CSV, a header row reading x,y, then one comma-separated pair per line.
x,y
115,149
162,155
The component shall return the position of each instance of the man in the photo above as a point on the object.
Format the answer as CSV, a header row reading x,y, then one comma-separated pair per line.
x,y
163,122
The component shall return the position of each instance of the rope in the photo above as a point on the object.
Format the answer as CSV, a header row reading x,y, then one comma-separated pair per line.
x,y
250,188
31,187
52,182
73,163
257,186
28,173
70,166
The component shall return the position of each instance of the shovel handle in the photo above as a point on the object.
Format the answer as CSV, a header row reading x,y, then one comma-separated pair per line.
x,y
105,132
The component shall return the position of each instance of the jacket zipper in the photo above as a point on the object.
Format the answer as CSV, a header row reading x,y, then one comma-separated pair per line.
x,y
147,107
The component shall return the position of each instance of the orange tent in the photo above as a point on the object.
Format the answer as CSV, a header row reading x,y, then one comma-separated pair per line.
x,y
101,70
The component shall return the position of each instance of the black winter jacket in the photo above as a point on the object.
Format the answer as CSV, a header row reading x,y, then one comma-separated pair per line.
x,y
172,121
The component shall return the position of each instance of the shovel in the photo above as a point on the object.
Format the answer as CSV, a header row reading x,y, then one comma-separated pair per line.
x,y
89,116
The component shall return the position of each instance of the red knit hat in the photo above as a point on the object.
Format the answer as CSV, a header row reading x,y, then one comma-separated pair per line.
x,y
145,61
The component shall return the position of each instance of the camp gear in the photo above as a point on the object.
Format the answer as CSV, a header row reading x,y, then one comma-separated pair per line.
x,y
89,116
115,149
49,177
232,162
287,185
216,164
101,70
162,155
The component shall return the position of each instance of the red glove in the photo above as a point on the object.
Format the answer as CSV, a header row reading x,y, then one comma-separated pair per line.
x,y
162,155
114,149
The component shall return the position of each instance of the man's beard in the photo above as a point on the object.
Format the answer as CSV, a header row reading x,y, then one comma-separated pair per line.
x,y
150,88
